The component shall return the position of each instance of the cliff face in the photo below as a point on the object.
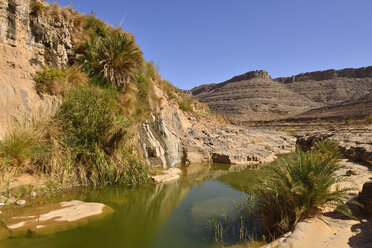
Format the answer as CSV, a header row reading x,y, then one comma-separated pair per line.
x,y
171,137
26,43
255,96
174,137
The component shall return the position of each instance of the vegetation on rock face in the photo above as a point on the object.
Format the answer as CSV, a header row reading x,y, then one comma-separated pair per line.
x,y
106,91
54,81
114,58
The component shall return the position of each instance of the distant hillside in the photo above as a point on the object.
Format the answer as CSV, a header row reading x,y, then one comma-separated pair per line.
x,y
255,96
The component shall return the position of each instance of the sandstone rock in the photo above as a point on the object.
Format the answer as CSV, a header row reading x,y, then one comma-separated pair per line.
x,y
172,138
365,197
354,142
21,202
22,53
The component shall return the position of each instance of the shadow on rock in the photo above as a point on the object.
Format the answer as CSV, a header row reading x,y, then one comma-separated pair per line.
x,y
363,236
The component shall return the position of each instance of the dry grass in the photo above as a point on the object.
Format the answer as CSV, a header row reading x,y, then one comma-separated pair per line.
x,y
54,81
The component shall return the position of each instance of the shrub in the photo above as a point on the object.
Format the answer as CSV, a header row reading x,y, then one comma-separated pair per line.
x,y
36,8
298,191
115,58
93,135
185,105
94,27
54,81
369,119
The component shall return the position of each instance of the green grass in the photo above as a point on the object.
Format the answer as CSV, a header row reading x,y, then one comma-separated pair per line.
x,y
242,227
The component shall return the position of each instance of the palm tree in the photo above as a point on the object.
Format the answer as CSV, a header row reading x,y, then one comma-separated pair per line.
x,y
115,58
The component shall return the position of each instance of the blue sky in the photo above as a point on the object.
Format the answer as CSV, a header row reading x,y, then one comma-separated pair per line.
x,y
208,41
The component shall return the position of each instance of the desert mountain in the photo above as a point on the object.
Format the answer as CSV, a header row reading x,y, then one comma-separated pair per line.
x,y
255,96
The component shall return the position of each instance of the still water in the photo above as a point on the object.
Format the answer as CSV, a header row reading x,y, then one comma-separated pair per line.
x,y
166,215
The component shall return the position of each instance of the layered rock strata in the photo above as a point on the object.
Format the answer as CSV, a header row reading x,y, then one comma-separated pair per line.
x,y
175,137
255,96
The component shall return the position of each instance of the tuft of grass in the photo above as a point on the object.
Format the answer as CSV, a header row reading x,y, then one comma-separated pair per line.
x,y
368,120
300,189
36,7
186,104
22,147
244,226
54,81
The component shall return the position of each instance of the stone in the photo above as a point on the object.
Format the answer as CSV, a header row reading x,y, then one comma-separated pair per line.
x,y
21,202
354,142
365,197
33,194
56,218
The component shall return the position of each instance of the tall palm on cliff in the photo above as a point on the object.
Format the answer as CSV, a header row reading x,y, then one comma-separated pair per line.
x,y
114,58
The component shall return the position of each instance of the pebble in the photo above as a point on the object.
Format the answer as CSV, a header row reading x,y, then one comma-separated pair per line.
x,y
21,202
33,193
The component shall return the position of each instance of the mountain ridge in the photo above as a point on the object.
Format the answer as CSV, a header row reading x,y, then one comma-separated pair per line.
x,y
241,97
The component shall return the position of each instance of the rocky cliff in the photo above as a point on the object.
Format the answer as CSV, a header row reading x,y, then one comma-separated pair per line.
x,y
29,40
255,96
175,137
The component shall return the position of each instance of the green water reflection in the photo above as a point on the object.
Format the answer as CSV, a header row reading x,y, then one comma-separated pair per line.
x,y
166,215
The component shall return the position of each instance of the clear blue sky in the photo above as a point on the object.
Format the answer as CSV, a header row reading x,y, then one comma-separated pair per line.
x,y
208,41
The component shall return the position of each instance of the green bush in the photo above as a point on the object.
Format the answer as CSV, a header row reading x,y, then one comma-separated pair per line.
x,y
185,105
46,79
94,27
115,58
95,136
299,190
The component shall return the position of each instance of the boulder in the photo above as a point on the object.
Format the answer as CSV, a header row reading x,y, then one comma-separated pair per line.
x,y
365,197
